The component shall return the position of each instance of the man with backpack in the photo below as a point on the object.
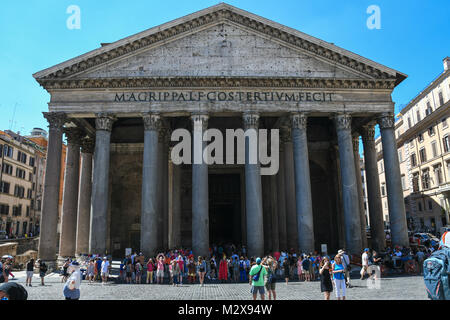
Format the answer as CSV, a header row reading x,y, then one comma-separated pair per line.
x,y
257,272
436,270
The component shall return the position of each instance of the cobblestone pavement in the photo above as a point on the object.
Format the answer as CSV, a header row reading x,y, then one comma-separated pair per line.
x,y
391,288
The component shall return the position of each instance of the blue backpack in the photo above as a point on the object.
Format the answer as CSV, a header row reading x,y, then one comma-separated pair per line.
x,y
436,271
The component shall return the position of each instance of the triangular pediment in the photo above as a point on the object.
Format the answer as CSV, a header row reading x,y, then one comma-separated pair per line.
x,y
220,41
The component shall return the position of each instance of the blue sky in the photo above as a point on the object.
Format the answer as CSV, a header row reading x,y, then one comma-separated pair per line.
x,y
413,38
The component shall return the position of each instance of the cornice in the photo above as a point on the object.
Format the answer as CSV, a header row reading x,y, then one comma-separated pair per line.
x,y
223,14
217,82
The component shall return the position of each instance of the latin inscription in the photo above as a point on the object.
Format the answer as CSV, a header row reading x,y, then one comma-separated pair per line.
x,y
240,96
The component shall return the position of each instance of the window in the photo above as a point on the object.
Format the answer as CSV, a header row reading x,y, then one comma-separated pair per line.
x,y
418,115
441,98
428,110
20,173
27,214
404,182
400,159
17,210
31,163
446,143
4,209
438,174
413,160
30,176
29,194
7,168
423,155
444,123
409,123
8,151
420,137
383,189
430,205
4,187
415,181
381,166
431,131
19,191
434,149
425,179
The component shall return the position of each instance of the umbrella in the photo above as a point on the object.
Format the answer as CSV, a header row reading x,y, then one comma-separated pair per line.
x,y
7,257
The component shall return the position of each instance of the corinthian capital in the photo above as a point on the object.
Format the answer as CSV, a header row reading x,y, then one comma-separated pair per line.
x,y
152,121
104,121
343,121
386,121
251,120
55,120
299,120
368,132
74,136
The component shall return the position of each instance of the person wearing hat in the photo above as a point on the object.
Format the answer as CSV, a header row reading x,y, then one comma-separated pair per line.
x,y
364,262
71,289
257,273
12,291
105,270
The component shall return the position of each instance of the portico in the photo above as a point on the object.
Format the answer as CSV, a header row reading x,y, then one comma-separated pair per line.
x,y
221,68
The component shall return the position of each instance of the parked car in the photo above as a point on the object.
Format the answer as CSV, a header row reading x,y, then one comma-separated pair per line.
x,y
445,229
2,234
424,237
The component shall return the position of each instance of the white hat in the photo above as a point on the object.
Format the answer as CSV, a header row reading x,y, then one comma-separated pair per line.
x,y
341,251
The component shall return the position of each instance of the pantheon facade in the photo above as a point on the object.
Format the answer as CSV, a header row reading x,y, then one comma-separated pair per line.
x,y
221,68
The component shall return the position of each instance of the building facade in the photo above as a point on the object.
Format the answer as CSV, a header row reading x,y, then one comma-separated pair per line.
x,y
19,178
423,144
221,68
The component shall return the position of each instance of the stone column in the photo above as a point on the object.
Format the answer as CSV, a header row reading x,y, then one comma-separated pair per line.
x,y
281,196
100,184
165,188
373,189
397,215
84,197
267,212
253,189
304,213
67,240
349,186
49,217
174,205
291,212
150,186
200,205
274,213
362,213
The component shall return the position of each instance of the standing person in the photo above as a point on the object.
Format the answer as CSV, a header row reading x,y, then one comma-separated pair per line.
x,y
236,269
270,279
128,270
191,271
257,273
242,270
364,262
98,268
160,269
339,277
138,271
30,271
325,278
150,268
71,289
306,266
286,267
42,270
180,262
213,268
346,263
201,269
299,268
420,256
90,271
223,268
175,272
64,272
6,269
105,266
